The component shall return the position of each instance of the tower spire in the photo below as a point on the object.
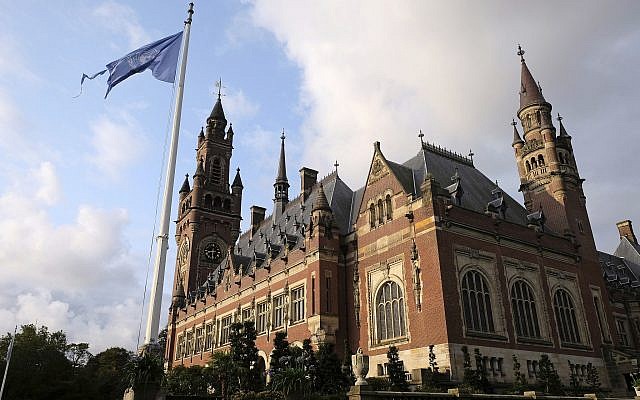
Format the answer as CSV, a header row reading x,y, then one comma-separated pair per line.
x,y
516,136
530,92
281,186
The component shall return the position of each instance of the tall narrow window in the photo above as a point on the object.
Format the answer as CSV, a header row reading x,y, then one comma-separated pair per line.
x,y
246,314
216,171
189,345
180,347
372,215
208,336
297,304
389,208
523,305
261,317
225,329
476,303
623,336
390,319
541,160
380,212
566,317
528,166
313,295
278,311
199,340
327,294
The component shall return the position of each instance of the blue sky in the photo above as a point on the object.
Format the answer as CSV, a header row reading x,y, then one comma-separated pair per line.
x,y
79,176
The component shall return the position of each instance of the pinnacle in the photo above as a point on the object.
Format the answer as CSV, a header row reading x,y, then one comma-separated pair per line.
x,y
321,200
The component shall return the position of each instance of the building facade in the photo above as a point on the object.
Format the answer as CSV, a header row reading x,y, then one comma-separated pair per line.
x,y
428,252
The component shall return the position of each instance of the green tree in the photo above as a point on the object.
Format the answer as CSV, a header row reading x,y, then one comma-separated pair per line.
x,y
592,379
221,374
145,372
190,381
309,362
574,381
244,354
548,378
519,380
105,376
292,383
329,378
395,371
279,355
39,366
481,372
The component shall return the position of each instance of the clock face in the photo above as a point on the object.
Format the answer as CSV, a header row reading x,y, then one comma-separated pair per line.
x,y
183,253
213,253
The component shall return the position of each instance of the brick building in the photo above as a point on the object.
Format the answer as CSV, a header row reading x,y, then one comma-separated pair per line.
x,y
428,252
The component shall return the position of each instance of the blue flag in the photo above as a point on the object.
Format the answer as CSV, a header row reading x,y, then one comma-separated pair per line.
x,y
160,56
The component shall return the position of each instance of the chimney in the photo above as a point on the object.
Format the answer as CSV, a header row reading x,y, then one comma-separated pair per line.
x,y
257,216
308,178
626,231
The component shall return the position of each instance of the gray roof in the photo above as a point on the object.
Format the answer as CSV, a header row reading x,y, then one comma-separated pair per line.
x,y
628,250
272,236
618,272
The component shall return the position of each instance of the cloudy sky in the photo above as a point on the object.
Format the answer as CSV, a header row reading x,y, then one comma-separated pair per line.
x,y
79,177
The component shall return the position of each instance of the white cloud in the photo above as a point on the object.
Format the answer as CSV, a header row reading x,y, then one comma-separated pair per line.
x,y
46,182
78,276
121,18
381,72
116,143
238,105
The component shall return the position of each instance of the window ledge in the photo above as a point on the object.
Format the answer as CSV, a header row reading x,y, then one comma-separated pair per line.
x,y
486,335
578,346
387,343
530,340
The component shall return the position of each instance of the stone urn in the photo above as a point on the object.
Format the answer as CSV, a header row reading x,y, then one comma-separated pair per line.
x,y
360,365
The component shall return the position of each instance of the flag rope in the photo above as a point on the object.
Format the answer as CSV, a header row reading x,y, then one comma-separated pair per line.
x,y
155,216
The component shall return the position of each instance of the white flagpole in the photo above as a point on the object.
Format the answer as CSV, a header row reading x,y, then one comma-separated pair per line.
x,y
162,243
6,368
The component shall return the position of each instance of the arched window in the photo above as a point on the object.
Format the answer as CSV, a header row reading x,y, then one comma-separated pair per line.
x,y
389,209
528,166
208,203
566,317
538,117
216,171
523,305
390,312
372,215
534,163
476,303
528,121
541,160
217,202
380,212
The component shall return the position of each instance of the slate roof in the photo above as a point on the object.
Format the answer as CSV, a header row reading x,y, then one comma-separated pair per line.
x,y
618,272
288,229
628,250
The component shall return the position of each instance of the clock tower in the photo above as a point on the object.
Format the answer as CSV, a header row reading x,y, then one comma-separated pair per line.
x,y
208,221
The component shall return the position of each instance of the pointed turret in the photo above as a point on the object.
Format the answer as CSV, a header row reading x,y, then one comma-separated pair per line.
x,y
217,122
321,203
237,181
185,185
530,92
281,187
517,140
563,132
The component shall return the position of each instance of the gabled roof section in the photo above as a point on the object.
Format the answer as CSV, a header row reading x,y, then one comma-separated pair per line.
x,y
628,250
618,272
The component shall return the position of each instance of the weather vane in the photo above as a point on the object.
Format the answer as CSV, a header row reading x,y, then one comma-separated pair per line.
x,y
520,53
219,86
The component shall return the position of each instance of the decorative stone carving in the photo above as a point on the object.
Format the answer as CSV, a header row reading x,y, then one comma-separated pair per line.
x,y
360,363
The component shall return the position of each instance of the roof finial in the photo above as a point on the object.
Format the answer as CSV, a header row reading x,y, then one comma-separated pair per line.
x,y
219,86
421,136
560,118
513,122
336,165
471,155
282,136
190,14
520,53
